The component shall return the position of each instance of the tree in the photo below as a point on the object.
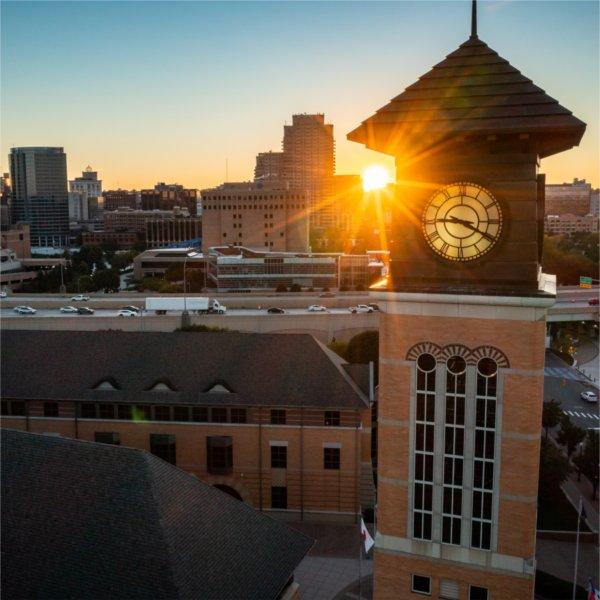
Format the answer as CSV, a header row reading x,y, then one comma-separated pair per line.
x,y
554,470
364,348
295,287
174,273
551,415
107,279
588,460
281,288
569,435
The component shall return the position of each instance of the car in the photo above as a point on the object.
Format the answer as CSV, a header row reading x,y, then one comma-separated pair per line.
x,y
275,310
374,306
317,308
593,301
80,298
124,312
3,294
68,309
25,310
589,396
132,308
360,308
84,310
327,295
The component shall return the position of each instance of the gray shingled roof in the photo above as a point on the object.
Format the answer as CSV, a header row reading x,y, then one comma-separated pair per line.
x,y
472,91
260,369
85,520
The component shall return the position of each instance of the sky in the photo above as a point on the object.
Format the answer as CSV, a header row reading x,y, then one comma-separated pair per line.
x,y
189,92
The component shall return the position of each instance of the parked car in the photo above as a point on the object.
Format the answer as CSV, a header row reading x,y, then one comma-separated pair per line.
x,y
80,298
360,308
3,294
593,301
130,307
275,310
373,306
25,310
68,309
589,396
327,295
124,312
84,310
317,308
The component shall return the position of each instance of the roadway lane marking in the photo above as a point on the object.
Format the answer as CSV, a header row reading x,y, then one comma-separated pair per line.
x,y
576,413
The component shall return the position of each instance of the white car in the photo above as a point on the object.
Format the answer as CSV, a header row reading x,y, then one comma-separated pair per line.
x,y
3,294
317,308
25,310
360,308
128,313
68,309
589,396
80,298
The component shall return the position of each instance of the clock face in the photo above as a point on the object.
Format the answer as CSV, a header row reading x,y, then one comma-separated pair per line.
x,y
462,222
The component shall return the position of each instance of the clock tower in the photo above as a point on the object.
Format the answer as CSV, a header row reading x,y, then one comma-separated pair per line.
x,y
463,328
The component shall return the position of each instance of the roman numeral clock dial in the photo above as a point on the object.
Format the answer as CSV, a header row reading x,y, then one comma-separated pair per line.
x,y
462,222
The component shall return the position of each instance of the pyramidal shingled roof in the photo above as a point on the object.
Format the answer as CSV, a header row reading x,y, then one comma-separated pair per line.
x,y
474,91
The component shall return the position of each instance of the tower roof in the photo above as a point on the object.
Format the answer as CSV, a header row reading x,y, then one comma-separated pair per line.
x,y
473,92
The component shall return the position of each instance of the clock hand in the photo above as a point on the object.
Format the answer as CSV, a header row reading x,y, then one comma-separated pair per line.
x,y
468,225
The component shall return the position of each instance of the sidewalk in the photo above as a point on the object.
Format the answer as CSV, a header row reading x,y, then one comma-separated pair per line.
x,y
574,490
558,558
588,361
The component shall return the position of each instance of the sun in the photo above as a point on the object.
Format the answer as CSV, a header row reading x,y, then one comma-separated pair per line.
x,y
375,178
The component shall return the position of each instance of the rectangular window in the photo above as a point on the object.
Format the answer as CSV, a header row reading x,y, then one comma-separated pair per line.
x,y
163,446
279,457
238,415
478,593
278,497
142,413
219,455
107,437
4,411
421,584
17,408
88,410
218,415
331,458
162,413
181,413
483,460
424,447
332,418
277,416
199,414
106,411
51,409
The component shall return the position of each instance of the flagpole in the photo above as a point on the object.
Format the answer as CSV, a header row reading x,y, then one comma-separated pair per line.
x,y
360,545
577,548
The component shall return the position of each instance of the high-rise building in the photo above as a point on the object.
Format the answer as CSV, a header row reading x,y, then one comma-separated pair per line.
x,y
264,215
595,202
269,166
568,198
39,193
309,162
84,192
462,328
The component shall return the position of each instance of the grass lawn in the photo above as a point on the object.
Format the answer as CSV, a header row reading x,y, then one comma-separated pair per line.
x,y
557,514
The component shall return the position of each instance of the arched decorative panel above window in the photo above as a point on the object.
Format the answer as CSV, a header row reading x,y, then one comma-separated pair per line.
x,y
471,356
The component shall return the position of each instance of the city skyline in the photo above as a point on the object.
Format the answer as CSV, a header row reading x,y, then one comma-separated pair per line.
x,y
175,117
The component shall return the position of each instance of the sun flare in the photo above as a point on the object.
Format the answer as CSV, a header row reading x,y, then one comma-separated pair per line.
x,y
375,178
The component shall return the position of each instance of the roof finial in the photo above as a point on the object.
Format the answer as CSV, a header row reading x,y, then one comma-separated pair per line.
x,y
474,20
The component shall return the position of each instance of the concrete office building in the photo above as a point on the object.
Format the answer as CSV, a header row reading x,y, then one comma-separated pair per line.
x,y
566,224
84,192
166,232
39,193
277,421
262,215
155,262
132,220
568,198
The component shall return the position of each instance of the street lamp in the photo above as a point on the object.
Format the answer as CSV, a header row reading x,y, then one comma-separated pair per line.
x,y
188,255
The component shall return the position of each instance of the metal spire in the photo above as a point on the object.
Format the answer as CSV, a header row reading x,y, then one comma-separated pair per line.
x,y
474,20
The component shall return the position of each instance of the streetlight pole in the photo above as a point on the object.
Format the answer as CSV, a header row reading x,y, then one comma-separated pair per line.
x,y
185,317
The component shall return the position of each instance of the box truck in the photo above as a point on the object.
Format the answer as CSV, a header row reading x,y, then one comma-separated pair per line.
x,y
193,304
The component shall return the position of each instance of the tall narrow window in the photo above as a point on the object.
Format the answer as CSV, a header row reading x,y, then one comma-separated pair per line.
x,y
424,431
483,459
454,436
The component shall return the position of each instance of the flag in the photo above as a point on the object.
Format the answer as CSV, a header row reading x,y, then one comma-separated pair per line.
x,y
583,514
593,593
366,536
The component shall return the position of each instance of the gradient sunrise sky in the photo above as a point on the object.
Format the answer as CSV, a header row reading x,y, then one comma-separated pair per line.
x,y
170,91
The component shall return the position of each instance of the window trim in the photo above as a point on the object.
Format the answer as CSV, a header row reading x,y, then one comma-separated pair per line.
x,y
412,584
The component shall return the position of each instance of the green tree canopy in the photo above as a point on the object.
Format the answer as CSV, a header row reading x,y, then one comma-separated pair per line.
x,y
569,435
588,460
551,415
554,470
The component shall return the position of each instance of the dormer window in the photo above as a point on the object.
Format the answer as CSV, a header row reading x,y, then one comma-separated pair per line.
x,y
219,387
106,384
162,385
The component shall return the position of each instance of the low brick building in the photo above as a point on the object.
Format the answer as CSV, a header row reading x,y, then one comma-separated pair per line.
x,y
275,420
